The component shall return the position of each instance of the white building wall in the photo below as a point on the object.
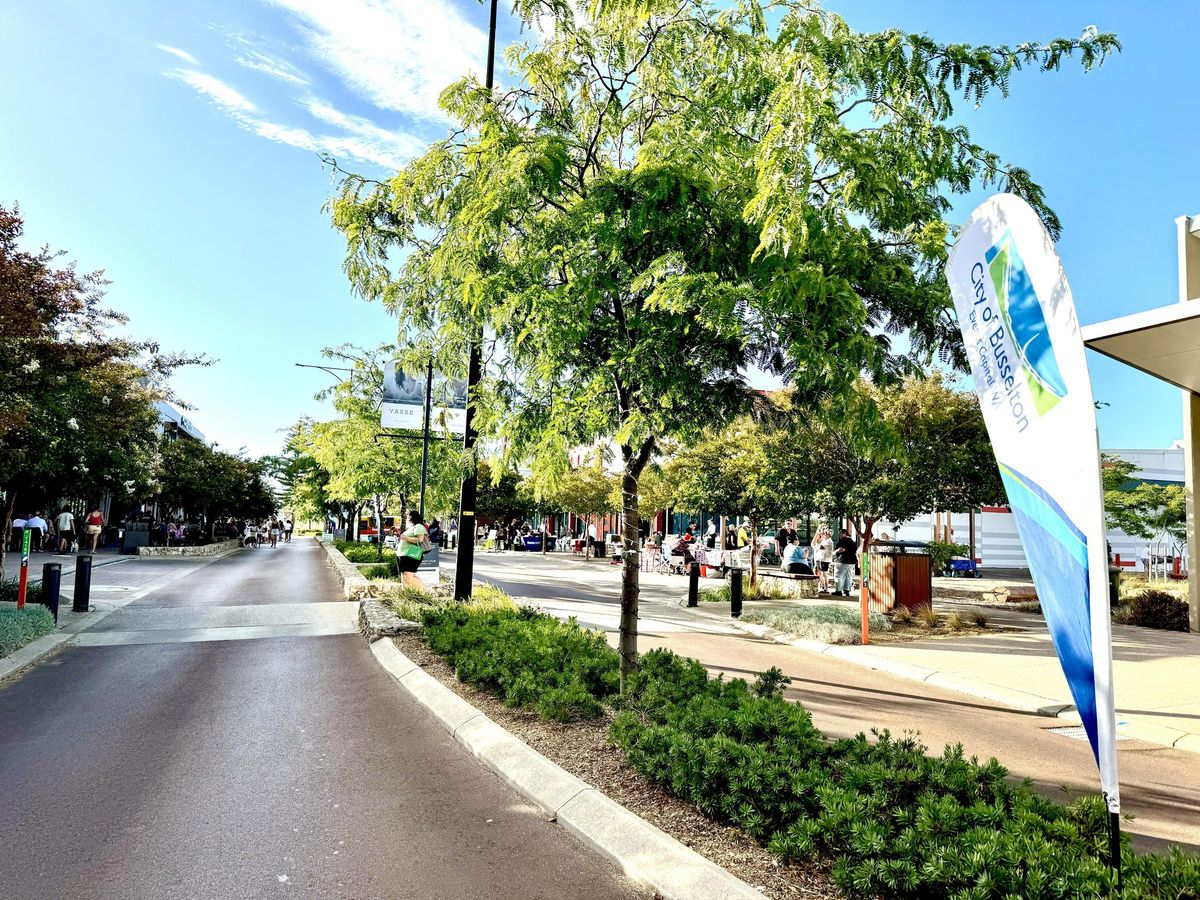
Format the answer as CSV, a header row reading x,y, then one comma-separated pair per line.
x,y
997,545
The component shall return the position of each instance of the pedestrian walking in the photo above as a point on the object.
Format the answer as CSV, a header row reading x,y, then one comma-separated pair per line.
x,y
94,526
65,523
288,526
275,532
846,554
413,544
452,534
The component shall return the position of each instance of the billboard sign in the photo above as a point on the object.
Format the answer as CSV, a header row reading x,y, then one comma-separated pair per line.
x,y
1022,335
403,404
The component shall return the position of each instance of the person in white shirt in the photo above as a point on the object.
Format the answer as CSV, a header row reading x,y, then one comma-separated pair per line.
x,y
65,524
38,528
823,553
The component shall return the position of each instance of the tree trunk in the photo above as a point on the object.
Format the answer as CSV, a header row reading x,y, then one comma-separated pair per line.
x,y
378,532
634,463
6,530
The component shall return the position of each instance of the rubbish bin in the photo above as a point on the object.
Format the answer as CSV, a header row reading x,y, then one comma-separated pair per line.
x,y
899,573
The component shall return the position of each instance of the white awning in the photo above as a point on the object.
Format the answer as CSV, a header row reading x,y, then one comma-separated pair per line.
x,y
1163,342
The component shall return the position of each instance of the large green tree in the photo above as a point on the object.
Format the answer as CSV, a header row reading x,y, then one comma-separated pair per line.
x,y
668,192
77,416
1140,508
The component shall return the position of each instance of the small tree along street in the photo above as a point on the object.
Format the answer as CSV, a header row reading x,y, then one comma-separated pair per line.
x,y
670,193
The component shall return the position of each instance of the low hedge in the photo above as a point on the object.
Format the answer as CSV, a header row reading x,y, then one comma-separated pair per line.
x,y
358,552
20,626
531,659
10,587
379,570
1153,609
896,821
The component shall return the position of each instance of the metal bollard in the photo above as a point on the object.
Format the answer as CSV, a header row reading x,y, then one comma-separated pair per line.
x,y
83,584
694,584
735,593
51,586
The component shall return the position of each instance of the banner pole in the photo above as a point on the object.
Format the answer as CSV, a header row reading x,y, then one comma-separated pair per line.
x,y
1114,845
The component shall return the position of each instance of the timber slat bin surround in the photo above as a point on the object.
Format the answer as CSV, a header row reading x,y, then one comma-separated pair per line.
x,y
899,574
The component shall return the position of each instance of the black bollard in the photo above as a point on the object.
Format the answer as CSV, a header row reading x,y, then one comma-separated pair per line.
x,y
83,584
694,584
735,593
51,585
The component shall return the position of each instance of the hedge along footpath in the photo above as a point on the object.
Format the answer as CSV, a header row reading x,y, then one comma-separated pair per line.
x,y
20,626
896,821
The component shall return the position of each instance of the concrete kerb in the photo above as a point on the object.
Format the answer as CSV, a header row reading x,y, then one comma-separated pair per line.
x,y
354,584
1014,699
645,853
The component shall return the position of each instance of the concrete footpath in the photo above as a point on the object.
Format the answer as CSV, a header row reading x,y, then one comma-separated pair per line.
x,y
1156,673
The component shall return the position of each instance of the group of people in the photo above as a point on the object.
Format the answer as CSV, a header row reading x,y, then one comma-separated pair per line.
x,y
833,562
266,533
65,533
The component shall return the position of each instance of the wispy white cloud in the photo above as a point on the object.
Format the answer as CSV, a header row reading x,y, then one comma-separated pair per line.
x,y
175,51
356,138
398,54
222,95
271,65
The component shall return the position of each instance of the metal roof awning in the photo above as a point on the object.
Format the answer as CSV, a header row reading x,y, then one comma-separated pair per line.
x,y
1163,342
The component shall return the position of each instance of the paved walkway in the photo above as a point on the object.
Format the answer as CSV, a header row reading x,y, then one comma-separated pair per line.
x,y
1161,785
212,739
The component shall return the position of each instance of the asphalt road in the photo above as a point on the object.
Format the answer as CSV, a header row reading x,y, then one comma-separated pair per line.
x,y
1160,787
172,764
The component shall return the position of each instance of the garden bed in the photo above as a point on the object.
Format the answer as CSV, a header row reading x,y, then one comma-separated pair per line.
x,y
20,626
872,816
584,749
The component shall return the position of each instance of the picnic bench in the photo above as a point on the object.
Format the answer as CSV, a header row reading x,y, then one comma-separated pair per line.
x,y
797,585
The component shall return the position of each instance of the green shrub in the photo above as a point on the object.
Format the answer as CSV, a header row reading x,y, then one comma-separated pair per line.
x,y
1153,609
830,624
941,551
8,591
766,589
379,570
529,658
898,823
358,552
20,626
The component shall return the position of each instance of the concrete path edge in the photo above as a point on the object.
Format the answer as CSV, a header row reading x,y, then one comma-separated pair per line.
x,y
1021,700
645,853
354,584
33,652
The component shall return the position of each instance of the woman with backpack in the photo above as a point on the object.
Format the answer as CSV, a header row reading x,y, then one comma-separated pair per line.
x,y
413,544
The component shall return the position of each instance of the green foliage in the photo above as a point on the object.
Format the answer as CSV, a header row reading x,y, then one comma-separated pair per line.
x,y
8,591
1153,609
898,823
203,481
20,626
664,196
829,624
358,552
764,589
77,416
378,570
940,553
499,497
886,453
1140,508
529,658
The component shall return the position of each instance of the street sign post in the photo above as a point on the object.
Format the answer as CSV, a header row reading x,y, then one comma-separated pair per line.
x,y
24,582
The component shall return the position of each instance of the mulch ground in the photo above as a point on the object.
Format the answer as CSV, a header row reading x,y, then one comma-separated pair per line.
x,y
583,749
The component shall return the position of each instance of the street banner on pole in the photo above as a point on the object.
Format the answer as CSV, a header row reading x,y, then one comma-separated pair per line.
x,y
403,403
1022,335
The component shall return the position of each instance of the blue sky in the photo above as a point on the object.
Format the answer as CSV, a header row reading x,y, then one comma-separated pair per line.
x,y
174,145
